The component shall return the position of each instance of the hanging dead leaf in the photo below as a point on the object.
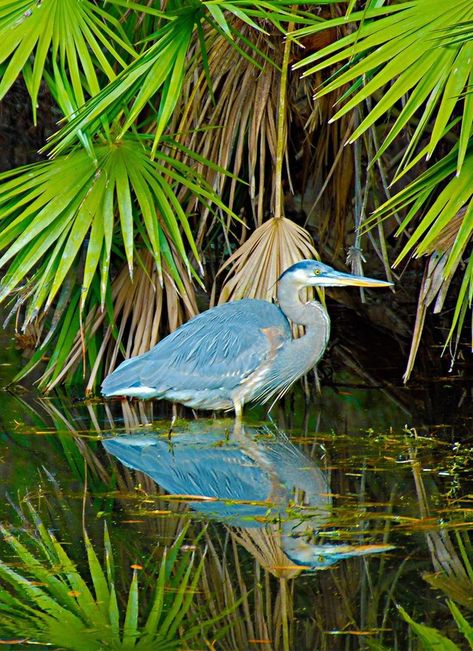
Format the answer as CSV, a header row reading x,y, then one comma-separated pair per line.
x,y
256,266
435,282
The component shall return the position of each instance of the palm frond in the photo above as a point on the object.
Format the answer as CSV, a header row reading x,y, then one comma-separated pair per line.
x,y
79,37
400,48
257,264
243,120
75,209
160,69
435,281
439,216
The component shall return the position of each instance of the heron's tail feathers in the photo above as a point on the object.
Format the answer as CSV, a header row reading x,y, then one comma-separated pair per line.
x,y
125,381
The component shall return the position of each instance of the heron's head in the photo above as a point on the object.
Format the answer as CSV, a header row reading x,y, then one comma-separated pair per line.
x,y
311,273
319,557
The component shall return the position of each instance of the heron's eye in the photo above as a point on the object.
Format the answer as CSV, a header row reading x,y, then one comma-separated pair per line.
x,y
317,272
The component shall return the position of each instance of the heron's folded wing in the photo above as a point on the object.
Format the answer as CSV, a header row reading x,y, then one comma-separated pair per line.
x,y
216,349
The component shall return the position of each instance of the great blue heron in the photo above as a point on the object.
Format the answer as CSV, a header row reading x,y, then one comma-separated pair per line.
x,y
238,352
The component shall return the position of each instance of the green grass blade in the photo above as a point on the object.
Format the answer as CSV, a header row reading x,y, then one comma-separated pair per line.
x,y
130,627
102,594
154,617
463,625
431,638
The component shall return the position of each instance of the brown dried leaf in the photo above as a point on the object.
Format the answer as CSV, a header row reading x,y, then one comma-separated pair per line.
x,y
138,315
435,282
256,266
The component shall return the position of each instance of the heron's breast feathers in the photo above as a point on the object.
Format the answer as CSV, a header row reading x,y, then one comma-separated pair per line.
x,y
250,385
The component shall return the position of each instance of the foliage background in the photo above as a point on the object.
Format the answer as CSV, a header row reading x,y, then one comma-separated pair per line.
x,y
183,139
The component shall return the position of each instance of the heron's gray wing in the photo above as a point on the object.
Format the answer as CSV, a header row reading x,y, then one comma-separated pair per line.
x,y
216,350
200,469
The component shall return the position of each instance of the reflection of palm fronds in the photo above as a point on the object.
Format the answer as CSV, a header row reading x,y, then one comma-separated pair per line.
x,y
263,617
266,547
138,495
451,556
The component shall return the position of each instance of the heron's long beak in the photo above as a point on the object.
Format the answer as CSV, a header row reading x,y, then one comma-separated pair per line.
x,y
340,279
339,552
321,556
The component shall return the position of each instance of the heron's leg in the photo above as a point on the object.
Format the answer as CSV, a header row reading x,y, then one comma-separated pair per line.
x,y
173,420
238,410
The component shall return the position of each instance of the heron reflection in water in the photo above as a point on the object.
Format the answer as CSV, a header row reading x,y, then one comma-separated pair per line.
x,y
238,352
258,481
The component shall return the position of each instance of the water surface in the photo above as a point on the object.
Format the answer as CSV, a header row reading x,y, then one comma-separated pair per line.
x,y
305,531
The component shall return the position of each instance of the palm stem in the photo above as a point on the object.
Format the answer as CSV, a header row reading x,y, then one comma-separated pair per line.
x,y
281,127
284,617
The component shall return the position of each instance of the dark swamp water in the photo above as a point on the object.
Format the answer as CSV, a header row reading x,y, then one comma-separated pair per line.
x,y
323,528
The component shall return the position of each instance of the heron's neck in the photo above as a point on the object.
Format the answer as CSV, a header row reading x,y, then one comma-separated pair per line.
x,y
313,316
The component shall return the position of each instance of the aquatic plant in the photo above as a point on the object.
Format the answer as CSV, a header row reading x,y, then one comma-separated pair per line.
x,y
431,639
44,597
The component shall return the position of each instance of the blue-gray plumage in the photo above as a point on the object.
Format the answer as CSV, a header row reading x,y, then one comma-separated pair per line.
x,y
238,352
255,479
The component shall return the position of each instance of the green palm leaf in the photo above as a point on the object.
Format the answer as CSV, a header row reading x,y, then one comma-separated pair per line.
x,y
160,68
71,207
401,48
151,71
78,35
457,193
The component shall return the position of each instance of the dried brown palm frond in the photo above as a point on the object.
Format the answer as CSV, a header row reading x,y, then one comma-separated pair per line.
x,y
279,242
138,308
265,545
264,616
232,122
435,281
256,266
249,118
326,190
230,117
